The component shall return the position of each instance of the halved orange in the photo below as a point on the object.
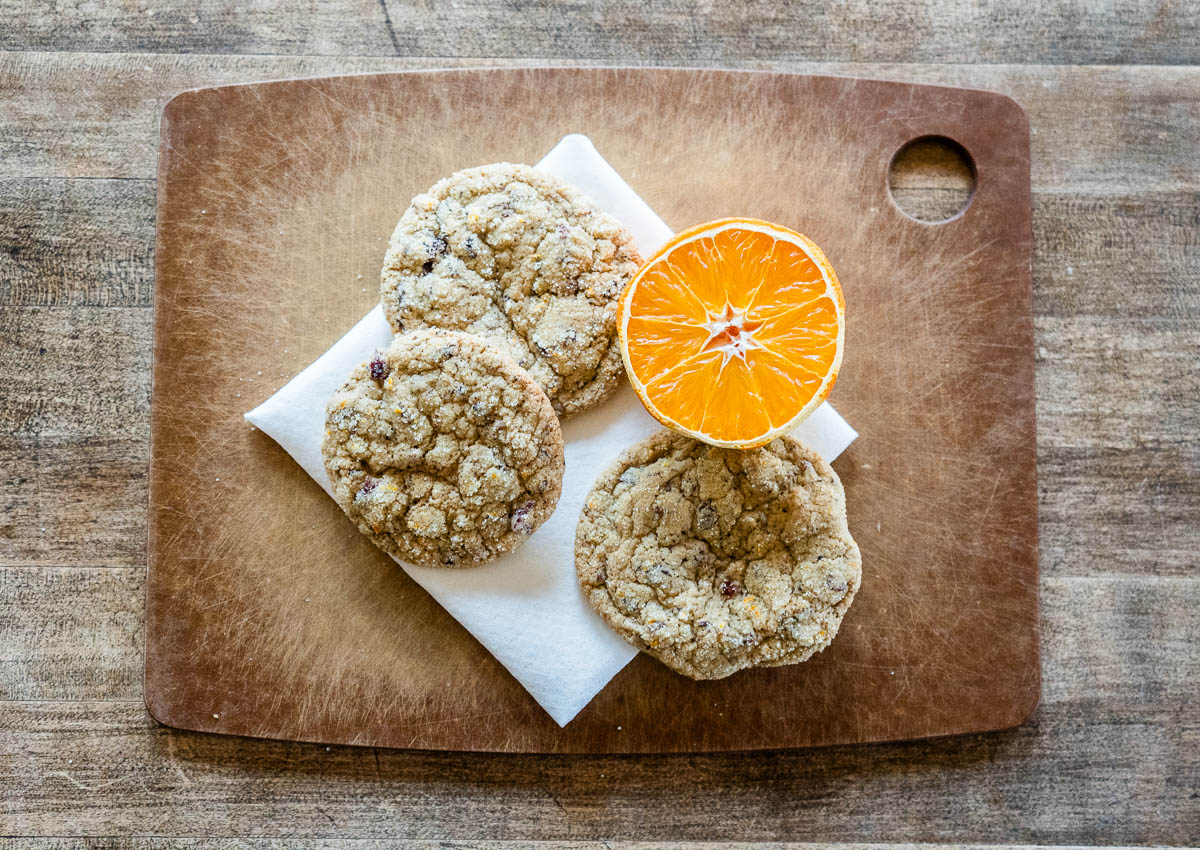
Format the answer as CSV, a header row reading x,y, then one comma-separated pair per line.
x,y
732,332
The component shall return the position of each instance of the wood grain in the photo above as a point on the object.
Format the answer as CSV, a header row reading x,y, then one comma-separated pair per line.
x,y
76,242
80,637
74,501
50,396
1116,718
1117,442
1115,175
1110,642
186,784
1105,130
1123,257
1132,31
150,843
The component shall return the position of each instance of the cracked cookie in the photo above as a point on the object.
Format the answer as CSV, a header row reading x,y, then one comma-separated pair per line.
x,y
443,451
713,560
524,260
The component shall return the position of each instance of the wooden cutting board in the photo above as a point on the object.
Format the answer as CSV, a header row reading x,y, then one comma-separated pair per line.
x,y
269,615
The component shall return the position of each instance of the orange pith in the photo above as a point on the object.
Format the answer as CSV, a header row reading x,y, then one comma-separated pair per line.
x,y
732,332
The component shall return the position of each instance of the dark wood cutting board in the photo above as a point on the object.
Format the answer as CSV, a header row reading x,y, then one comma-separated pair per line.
x,y
269,615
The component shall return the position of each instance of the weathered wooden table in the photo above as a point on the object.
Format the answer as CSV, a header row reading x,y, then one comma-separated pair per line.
x,y
1112,755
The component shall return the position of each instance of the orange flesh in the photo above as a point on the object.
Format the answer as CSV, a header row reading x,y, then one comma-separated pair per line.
x,y
732,334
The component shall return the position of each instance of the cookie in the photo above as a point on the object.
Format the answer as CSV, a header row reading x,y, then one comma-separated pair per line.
x,y
713,560
524,260
443,451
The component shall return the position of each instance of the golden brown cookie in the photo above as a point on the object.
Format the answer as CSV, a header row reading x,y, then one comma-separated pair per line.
x,y
524,260
443,451
713,560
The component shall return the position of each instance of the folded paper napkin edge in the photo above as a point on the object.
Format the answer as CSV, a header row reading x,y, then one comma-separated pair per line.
x,y
561,682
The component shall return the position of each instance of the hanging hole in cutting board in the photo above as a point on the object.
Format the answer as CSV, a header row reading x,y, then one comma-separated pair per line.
x,y
932,179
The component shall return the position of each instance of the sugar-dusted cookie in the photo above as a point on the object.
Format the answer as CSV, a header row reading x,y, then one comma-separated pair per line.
x,y
713,560
524,260
443,451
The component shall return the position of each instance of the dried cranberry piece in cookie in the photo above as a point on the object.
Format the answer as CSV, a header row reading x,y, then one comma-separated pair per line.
x,y
522,518
367,486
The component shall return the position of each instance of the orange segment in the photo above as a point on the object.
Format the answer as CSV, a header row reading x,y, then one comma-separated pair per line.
x,y
779,380
701,265
732,332
738,408
661,298
794,279
662,345
807,335
685,388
